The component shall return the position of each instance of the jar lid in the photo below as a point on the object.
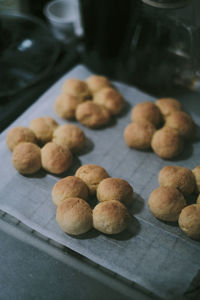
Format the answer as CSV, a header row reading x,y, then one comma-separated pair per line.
x,y
167,3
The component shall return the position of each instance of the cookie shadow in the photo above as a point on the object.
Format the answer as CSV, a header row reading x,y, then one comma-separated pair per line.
x,y
187,153
40,174
72,170
91,234
137,204
89,146
191,199
133,229
125,110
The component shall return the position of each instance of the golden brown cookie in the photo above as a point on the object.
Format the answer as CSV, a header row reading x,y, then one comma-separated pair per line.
x,y
167,143
92,115
189,221
166,203
26,158
115,189
18,135
69,136
183,123
196,173
74,216
69,187
96,83
65,106
139,134
76,88
43,128
55,159
178,177
92,175
111,99
110,217
168,105
147,111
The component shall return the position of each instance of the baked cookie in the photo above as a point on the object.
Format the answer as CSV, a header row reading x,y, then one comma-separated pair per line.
x,y
74,216
76,88
111,99
43,128
115,189
65,106
178,177
147,111
189,221
167,143
92,175
55,159
139,134
26,158
18,135
110,217
168,105
166,203
196,173
96,83
92,115
183,123
69,187
69,136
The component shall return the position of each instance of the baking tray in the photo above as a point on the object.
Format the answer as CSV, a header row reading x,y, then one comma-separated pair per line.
x,y
155,255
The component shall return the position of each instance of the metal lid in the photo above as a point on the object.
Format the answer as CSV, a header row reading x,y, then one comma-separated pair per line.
x,y
167,3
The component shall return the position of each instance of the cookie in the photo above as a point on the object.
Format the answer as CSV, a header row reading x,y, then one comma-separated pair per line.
x,y
18,135
92,175
43,128
147,111
76,87
110,217
189,221
166,203
26,158
55,159
183,123
178,177
74,216
168,105
196,173
65,106
111,99
69,136
167,143
115,189
69,187
96,83
92,115
139,134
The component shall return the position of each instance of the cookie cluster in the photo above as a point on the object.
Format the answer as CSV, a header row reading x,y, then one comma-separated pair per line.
x,y
44,144
92,102
162,126
74,214
168,202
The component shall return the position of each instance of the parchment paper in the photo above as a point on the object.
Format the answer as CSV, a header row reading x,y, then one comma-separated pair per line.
x,y
155,255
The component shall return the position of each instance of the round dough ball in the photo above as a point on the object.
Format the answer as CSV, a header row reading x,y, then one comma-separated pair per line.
x,y
166,203
92,175
65,106
74,216
168,105
96,83
196,173
147,111
178,177
43,128
189,221
183,123
69,136
111,99
92,115
26,158
110,217
76,88
18,135
69,187
139,134
55,159
115,189
167,143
